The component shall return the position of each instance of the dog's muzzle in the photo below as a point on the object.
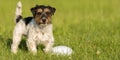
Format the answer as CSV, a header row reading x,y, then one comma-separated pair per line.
x,y
44,19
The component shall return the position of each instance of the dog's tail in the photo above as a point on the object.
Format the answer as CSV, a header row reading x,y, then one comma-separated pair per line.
x,y
18,12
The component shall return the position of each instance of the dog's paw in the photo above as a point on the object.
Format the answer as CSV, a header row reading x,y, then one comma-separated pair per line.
x,y
14,51
47,50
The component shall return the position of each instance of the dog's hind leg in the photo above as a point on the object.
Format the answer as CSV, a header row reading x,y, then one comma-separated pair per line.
x,y
16,41
19,30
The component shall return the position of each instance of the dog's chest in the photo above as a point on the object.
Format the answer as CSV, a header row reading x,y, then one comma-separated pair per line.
x,y
39,33
42,35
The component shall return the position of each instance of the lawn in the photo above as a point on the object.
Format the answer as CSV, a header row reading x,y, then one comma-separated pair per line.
x,y
90,27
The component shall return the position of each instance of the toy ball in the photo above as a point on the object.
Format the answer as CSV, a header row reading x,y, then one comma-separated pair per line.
x,y
62,50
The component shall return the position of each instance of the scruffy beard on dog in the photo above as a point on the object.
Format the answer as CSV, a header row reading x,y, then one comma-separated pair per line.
x,y
38,28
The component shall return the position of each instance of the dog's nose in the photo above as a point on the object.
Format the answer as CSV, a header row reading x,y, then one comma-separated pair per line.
x,y
43,19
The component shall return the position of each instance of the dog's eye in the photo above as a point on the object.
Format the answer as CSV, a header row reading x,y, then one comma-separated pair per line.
x,y
48,13
39,13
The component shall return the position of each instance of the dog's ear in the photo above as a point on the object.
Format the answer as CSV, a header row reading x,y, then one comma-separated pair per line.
x,y
33,10
52,9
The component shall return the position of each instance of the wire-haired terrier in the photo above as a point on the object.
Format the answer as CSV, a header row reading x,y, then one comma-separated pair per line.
x,y
38,28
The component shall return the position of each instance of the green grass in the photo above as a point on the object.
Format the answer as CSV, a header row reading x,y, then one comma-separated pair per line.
x,y
87,26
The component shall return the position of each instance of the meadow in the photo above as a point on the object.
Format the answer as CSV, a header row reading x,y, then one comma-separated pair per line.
x,y
90,27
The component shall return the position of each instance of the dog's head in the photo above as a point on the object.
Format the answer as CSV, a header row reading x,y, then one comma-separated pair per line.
x,y
42,14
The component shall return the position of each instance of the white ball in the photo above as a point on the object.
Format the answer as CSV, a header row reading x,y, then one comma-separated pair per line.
x,y
62,50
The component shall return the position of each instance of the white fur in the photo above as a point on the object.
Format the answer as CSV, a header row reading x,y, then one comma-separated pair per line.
x,y
18,8
36,34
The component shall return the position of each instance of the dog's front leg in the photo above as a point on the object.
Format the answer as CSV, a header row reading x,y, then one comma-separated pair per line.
x,y
48,45
31,44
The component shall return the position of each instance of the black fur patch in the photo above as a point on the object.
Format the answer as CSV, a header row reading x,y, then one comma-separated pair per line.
x,y
19,18
27,20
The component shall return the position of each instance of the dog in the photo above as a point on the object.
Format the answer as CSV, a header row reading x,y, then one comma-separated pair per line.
x,y
37,28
